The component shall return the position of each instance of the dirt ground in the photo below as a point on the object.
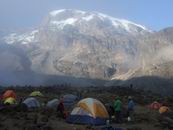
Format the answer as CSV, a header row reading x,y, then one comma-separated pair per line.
x,y
21,122
43,119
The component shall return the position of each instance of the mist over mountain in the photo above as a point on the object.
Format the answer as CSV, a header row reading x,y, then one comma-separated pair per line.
x,y
88,45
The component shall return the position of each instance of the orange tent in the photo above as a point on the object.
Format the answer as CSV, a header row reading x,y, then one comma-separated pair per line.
x,y
9,93
164,109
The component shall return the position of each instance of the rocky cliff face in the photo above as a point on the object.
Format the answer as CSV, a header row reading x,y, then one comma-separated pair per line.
x,y
87,45
153,50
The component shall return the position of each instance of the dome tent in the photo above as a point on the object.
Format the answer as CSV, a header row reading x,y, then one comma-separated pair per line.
x,y
36,93
31,102
155,105
69,100
9,93
53,103
89,111
10,101
164,109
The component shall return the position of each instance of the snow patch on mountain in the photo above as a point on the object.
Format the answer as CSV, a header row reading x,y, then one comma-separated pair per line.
x,y
88,18
56,12
62,23
21,38
123,22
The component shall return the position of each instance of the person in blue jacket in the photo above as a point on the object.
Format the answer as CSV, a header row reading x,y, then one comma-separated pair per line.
x,y
131,107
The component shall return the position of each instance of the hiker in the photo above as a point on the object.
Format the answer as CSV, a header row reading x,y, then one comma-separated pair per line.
x,y
130,109
79,95
21,107
111,110
61,109
20,101
131,86
118,110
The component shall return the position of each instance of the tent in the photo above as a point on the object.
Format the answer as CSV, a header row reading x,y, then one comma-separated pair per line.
x,y
155,105
164,109
31,102
9,93
10,101
36,93
89,111
53,103
69,100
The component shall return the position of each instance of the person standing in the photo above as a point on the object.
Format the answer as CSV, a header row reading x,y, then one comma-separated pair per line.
x,y
118,110
61,109
130,109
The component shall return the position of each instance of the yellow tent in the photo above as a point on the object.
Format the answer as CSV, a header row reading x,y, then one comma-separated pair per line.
x,y
89,111
10,101
94,107
36,93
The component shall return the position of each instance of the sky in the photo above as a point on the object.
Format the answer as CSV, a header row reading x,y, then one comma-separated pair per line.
x,y
154,14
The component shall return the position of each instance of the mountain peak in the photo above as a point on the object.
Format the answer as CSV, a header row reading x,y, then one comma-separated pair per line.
x,y
85,22
63,17
56,12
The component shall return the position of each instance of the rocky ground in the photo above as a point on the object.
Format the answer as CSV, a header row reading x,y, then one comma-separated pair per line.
x,y
43,119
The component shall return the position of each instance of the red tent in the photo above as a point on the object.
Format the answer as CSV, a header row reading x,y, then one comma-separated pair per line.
x,y
9,93
155,105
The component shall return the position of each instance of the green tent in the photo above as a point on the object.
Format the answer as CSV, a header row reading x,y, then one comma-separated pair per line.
x,y
36,93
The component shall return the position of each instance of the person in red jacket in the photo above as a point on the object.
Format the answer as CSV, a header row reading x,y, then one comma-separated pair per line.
x,y
61,109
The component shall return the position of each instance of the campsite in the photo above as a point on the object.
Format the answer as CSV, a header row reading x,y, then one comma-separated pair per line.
x,y
86,64
84,107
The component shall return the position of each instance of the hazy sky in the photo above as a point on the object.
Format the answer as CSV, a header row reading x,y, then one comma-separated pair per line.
x,y
154,14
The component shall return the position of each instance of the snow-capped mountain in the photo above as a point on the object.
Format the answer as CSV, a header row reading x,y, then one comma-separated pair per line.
x,y
88,45
81,44
85,22
61,18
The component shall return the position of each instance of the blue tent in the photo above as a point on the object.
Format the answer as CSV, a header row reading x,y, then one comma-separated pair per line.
x,y
69,100
31,102
53,103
